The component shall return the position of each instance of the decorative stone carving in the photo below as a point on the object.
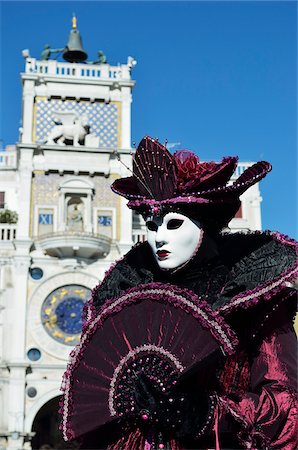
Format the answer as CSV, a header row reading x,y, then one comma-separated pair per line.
x,y
75,209
69,128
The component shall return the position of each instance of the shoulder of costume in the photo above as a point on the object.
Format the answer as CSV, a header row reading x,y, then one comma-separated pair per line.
x,y
263,269
134,268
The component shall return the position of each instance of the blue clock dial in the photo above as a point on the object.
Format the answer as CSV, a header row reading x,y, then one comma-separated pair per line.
x,y
61,313
69,313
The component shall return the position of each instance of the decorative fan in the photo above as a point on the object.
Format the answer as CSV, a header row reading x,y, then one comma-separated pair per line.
x,y
159,330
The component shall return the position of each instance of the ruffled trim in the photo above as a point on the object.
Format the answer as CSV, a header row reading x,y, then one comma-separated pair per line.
x,y
268,290
244,300
88,313
89,310
181,298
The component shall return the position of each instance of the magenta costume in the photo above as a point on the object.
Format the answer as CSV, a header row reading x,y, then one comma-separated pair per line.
x,y
200,357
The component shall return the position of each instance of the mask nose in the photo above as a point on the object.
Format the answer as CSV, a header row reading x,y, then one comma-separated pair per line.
x,y
161,238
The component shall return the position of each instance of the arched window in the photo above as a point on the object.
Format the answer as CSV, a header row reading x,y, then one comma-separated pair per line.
x,y
75,211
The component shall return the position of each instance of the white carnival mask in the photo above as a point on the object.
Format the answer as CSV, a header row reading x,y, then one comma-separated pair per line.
x,y
174,239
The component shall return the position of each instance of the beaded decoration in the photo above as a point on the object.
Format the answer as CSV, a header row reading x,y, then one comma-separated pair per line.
x,y
159,365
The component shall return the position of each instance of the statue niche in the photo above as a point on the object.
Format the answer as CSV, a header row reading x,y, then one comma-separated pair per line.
x,y
69,129
75,214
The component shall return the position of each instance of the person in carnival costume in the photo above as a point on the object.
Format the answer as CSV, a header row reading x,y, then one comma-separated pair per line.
x,y
188,342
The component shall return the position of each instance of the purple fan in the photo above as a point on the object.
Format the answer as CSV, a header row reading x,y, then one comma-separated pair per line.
x,y
155,329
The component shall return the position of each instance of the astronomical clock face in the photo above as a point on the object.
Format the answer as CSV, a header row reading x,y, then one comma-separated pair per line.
x,y
61,313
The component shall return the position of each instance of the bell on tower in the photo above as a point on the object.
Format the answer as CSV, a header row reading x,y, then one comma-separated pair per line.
x,y
74,51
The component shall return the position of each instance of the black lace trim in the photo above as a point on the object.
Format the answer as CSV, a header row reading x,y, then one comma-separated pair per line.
x,y
254,259
138,267
243,262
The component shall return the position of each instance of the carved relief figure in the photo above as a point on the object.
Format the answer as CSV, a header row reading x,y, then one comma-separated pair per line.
x,y
69,126
75,210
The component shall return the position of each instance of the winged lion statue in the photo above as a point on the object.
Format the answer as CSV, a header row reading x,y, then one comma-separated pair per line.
x,y
69,126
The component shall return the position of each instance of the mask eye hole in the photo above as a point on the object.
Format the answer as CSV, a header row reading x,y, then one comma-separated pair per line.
x,y
152,226
173,224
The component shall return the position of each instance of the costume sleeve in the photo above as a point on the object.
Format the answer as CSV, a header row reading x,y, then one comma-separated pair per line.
x,y
268,414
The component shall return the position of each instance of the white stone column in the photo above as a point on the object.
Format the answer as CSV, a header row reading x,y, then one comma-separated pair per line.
x,y
104,70
17,313
15,443
126,117
16,354
61,212
52,66
16,409
28,103
25,174
251,207
255,208
88,214
1,332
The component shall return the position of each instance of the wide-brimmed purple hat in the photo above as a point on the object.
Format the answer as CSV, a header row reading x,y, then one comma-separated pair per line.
x,y
161,181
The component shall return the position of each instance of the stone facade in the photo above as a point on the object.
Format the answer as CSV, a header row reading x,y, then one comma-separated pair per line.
x,y
70,228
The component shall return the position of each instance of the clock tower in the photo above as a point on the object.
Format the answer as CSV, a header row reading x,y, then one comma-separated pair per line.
x,y
76,123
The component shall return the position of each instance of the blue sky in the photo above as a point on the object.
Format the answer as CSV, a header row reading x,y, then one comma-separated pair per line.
x,y
218,77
